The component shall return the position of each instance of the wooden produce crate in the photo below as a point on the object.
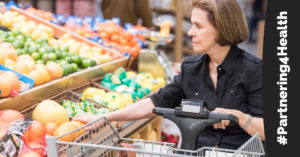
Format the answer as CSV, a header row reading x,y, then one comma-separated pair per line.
x,y
69,95
87,135
99,79
59,32
80,89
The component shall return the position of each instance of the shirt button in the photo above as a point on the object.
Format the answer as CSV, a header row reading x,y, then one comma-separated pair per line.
x,y
196,93
231,91
219,68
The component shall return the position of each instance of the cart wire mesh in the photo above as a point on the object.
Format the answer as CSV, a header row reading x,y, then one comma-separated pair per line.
x,y
99,138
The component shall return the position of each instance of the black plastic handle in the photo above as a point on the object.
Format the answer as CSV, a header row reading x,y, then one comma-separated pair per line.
x,y
161,111
222,116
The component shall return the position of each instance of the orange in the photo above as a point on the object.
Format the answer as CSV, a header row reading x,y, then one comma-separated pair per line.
x,y
50,128
22,67
77,124
3,57
40,66
9,50
64,128
44,73
24,57
5,87
30,64
13,79
35,75
54,70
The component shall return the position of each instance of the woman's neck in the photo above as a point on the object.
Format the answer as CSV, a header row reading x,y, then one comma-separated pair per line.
x,y
217,54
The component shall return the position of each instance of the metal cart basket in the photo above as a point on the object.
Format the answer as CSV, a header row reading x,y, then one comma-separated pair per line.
x,y
99,138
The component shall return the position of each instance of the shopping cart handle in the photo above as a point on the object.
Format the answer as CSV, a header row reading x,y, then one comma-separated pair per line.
x,y
162,111
222,116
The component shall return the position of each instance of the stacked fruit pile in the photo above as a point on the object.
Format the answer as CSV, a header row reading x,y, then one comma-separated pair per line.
x,y
116,36
13,20
82,49
136,84
109,31
49,118
112,100
74,108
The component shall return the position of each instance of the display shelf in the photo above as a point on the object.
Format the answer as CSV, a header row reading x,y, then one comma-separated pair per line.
x,y
38,93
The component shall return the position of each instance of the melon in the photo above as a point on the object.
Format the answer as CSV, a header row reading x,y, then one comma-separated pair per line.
x,y
49,111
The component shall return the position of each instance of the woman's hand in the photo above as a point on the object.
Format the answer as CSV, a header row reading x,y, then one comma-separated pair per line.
x,y
222,125
256,125
86,118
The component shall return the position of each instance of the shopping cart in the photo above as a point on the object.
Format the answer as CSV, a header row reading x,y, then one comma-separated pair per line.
x,y
101,139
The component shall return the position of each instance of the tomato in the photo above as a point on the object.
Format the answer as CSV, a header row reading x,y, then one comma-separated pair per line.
x,y
127,35
133,42
109,31
123,41
103,35
115,38
135,51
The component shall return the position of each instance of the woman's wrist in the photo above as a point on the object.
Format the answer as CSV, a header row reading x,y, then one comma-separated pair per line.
x,y
108,116
243,118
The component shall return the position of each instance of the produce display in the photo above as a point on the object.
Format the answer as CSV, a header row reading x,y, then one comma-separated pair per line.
x,y
136,84
15,21
106,32
31,50
55,119
48,117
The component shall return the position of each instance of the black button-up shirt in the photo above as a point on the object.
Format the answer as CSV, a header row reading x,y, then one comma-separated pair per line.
x,y
239,86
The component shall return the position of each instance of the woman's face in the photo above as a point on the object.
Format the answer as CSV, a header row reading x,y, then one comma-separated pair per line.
x,y
204,34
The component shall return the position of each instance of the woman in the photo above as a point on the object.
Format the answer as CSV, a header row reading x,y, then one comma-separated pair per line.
x,y
226,77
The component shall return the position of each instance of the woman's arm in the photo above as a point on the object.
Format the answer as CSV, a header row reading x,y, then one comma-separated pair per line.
x,y
138,110
256,125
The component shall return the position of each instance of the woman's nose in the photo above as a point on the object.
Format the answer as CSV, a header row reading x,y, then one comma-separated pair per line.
x,y
191,32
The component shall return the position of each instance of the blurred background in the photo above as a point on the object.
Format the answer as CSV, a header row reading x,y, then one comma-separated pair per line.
x,y
177,11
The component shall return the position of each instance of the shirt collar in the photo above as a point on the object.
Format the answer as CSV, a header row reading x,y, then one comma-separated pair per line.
x,y
230,60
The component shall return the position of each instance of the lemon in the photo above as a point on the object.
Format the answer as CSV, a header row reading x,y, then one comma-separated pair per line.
x,y
126,98
130,74
90,92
